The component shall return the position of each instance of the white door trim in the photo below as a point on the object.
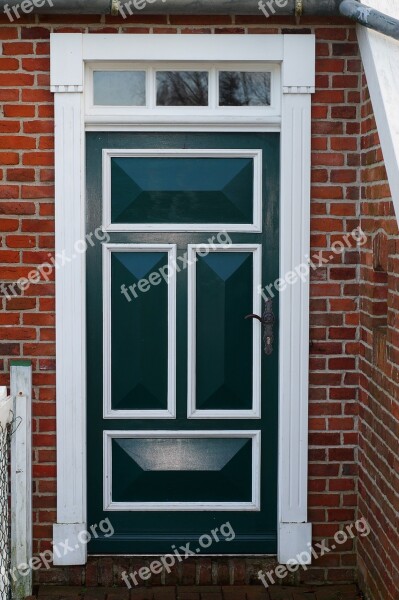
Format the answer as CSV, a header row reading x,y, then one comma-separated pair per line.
x,y
296,56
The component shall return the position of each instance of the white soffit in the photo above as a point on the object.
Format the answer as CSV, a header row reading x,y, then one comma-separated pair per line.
x,y
380,55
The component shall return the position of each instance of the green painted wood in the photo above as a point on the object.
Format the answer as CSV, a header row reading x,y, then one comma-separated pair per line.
x,y
139,326
181,190
224,352
169,475
20,363
155,532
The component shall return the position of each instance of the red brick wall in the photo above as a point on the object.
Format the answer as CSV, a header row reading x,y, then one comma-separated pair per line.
x,y
334,299
26,223
379,375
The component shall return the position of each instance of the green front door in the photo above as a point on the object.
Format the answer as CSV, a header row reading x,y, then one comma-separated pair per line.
x,y
182,397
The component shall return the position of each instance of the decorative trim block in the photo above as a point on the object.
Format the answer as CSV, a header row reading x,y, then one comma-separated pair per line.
x,y
70,541
295,89
66,89
294,543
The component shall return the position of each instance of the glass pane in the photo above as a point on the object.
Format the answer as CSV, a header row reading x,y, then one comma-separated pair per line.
x,y
181,469
244,89
119,88
182,88
182,190
224,285
139,330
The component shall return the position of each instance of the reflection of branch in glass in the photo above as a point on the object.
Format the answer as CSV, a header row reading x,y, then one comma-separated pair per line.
x,y
182,88
244,89
228,89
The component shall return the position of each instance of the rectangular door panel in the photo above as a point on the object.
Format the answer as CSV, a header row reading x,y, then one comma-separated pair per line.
x,y
223,347
166,190
177,470
139,330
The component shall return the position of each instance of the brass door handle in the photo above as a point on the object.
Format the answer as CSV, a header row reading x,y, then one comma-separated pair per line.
x,y
267,320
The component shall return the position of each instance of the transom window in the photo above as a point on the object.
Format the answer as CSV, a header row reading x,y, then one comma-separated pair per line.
x,y
184,88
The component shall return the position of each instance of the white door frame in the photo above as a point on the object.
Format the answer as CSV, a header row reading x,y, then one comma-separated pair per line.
x,y
296,56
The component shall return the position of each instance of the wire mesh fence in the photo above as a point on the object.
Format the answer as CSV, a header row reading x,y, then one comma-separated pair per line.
x,y
5,436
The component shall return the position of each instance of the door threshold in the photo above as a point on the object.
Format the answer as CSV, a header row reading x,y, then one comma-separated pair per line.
x,y
195,556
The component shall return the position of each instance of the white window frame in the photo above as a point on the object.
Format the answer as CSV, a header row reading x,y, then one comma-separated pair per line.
x,y
295,57
253,505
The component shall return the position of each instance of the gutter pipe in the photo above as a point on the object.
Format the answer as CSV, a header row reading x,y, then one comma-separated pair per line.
x,y
352,9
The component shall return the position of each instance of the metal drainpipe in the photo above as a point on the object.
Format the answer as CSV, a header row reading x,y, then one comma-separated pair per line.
x,y
63,7
362,14
369,17
205,7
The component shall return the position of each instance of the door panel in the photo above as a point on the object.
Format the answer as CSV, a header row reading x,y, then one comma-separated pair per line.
x,y
139,331
179,190
224,356
182,400
178,470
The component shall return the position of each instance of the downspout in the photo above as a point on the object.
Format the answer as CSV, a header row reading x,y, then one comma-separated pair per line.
x,y
371,18
360,13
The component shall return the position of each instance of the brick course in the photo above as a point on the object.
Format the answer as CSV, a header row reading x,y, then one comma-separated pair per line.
x,y
346,166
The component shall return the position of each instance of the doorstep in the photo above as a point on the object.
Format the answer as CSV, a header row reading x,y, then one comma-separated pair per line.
x,y
251,592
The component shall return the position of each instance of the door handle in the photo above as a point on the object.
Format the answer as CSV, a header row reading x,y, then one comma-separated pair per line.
x,y
267,320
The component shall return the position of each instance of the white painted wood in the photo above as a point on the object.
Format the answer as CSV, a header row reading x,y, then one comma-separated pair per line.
x,y
70,535
66,73
6,407
21,479
294,318
170,411
192,411
6,414
297,57
110,505
70,315
149,227
380,55
295,543
170,48
255,155
192,123
299,63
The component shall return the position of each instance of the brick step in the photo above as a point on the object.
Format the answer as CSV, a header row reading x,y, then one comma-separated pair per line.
x,y
252,592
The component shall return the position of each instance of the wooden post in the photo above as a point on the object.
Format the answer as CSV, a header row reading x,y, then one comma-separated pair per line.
x,y
21,480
